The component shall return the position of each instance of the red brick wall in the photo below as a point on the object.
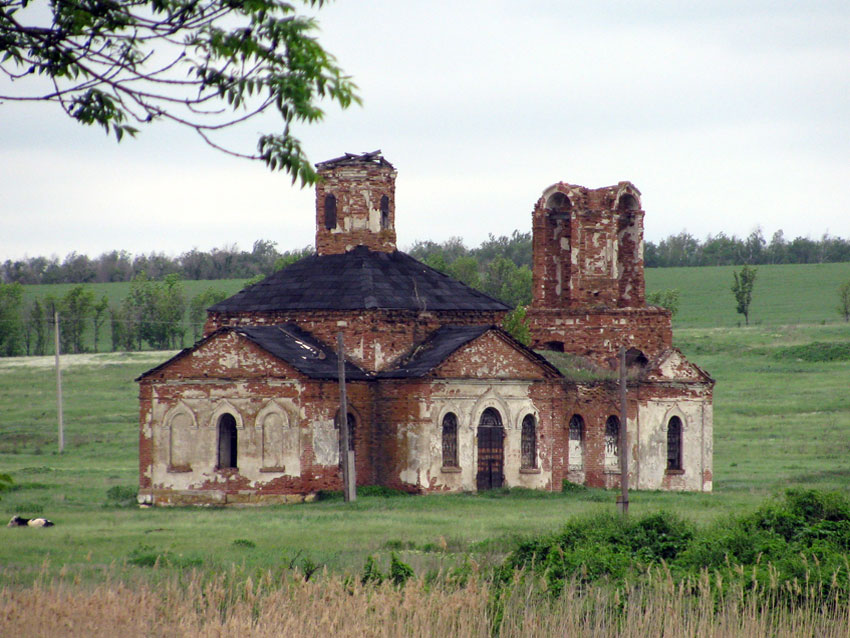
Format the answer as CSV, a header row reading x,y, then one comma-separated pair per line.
x,y
374,339
598,335
358,188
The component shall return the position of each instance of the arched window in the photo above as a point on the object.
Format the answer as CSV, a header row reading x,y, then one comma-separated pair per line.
x,y
227,442
450,441
612,443
352,428
330,212
576,445
528,458
559,203
628,202
385,212
674,444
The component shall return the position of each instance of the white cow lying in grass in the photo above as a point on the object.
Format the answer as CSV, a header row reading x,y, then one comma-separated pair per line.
x,y
19,521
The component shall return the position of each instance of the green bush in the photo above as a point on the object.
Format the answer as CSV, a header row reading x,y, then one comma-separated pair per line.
x,y
803,537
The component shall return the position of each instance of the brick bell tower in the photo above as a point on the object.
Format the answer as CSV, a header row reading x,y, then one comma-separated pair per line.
x,y
355,204
588,292
588,248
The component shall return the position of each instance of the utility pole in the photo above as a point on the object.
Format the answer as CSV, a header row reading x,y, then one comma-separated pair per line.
x,y
58,379
623,501
349,480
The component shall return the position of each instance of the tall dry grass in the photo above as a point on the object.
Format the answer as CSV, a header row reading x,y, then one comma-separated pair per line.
x,y
200,604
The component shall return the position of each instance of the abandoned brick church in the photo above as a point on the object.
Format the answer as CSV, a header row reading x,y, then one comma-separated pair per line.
x,y
440,398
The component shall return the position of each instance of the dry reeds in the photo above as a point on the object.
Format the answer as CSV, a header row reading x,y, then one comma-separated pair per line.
x,y
230,604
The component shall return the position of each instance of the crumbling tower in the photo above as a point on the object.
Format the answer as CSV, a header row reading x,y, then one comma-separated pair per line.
x,y
355,204
588,295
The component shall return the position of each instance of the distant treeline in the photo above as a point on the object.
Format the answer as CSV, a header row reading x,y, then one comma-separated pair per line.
x,y
231,263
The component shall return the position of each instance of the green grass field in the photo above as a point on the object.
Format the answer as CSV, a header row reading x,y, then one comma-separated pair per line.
x,y
783,294
782,419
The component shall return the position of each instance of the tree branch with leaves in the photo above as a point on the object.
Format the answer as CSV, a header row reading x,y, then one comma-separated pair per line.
x,y
207,65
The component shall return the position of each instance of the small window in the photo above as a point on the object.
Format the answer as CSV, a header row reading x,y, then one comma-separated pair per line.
x,y
227,442
385,212
330,212
576,445
554,346
612,443
635,358
674,444
450,441
529,443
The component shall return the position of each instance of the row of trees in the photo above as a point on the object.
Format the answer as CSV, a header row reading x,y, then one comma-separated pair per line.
x,y
231,263
154,314
220,263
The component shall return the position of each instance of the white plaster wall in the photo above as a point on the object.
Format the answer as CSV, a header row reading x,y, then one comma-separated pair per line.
x,y
197,445
468,400
648,444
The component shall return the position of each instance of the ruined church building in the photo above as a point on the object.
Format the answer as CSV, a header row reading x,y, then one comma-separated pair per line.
x,y
440,398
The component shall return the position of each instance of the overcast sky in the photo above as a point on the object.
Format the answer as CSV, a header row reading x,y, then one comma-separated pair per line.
x,y
726,115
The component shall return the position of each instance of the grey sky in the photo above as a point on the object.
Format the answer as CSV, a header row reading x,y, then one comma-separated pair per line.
x,y
726,115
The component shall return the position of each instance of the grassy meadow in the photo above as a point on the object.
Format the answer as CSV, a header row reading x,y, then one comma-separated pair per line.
x,y
782,419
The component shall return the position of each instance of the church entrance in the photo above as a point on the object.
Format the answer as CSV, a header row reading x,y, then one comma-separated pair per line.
x,y
491,457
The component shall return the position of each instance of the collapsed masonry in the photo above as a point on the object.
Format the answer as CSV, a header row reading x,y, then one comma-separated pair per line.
x,y
440,398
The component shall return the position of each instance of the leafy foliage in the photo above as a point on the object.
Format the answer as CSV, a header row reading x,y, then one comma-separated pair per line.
x,y
207,65
516,325
804,536
667,298
742,288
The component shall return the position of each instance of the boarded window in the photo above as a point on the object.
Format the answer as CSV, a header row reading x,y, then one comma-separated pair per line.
x,y
330,212
273,440
674,444
450,441
576,446
227,442
612,443
181,441
528,459
385,212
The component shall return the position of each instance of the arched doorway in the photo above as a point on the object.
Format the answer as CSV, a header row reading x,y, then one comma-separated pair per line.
x,y
227,442
491,457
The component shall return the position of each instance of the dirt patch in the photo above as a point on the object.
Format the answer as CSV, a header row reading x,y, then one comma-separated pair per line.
x,y
99,359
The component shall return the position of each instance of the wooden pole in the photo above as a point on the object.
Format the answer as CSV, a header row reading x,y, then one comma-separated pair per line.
x,y
623,501
349,489
58,380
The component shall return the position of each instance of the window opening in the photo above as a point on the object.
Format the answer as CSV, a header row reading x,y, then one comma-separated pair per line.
x,y
227,442
385,212
612,442
674,444
529,443
450,441
490,450
330,212
576,445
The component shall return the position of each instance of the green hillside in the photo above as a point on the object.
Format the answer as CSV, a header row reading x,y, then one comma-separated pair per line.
x,y
783,294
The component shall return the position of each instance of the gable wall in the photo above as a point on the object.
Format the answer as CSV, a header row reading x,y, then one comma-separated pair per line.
x,y
489,357
373,339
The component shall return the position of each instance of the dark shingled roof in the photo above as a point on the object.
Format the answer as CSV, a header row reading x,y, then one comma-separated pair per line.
x,y
288,343
300,350
349,159
360,279
434,350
